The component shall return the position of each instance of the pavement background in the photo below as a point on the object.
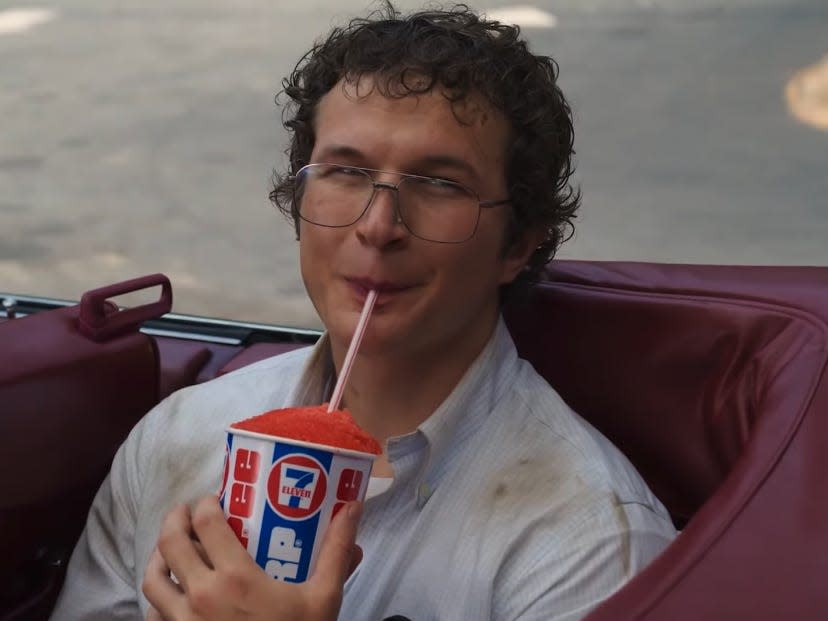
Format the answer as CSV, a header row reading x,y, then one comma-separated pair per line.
x,y
138,137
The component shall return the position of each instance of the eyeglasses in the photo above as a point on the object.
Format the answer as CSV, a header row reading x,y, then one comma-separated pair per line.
x,y
433,209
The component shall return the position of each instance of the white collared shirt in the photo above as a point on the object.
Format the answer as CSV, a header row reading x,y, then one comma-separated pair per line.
x,y
504,505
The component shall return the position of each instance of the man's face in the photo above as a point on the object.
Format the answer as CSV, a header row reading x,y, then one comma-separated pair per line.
x,y
433,297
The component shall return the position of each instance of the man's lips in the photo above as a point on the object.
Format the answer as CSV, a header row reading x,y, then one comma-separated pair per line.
x,y
383,288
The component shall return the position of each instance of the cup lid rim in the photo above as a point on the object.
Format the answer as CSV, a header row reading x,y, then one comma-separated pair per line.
x,y
302,443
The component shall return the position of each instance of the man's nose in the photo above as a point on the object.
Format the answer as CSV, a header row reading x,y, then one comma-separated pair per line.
x,y
381,223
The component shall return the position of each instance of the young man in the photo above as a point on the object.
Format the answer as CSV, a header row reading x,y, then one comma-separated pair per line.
x,y
430,161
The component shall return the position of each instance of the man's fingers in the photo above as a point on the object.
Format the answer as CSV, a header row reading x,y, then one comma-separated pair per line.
x,y
154,615
337,551
165,596
203,554
179,550
220,542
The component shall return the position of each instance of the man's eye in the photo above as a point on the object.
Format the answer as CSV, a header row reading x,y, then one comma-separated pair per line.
x,y
443,183
443,187
347,171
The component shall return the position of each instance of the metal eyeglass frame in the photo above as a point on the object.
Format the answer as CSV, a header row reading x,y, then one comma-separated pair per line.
x,y
395,188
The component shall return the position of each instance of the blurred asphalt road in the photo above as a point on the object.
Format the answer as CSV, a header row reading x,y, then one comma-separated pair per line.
x,y
140,136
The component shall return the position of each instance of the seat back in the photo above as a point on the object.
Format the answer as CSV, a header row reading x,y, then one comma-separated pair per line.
x,y
72,384
711,379
713,382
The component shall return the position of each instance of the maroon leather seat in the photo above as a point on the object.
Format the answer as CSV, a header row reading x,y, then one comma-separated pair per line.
x,y
713,381
73,383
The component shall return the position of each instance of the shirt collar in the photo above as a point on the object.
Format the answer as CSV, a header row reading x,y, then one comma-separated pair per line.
x,y
456,419
474,397
316,382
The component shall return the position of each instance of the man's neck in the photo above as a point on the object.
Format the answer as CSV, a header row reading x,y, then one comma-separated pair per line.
x,y
391,395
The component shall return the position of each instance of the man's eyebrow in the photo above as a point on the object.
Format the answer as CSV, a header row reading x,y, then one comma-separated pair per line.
x,y
423,165
447,161
340,151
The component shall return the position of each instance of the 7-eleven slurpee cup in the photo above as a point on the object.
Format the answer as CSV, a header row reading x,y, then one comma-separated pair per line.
x,y
286,474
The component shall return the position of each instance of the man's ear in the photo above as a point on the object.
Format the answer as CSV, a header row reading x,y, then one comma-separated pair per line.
x,y
517,254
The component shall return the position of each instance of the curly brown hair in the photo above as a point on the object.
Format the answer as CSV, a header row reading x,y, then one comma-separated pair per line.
x,y
460,53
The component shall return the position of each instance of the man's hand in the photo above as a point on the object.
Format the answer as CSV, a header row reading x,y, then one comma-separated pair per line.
x,y
218,580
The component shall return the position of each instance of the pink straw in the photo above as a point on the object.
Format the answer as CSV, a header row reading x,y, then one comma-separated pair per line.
x,y
352,350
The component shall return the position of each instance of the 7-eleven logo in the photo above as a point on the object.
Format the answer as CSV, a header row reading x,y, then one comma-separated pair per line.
x,y
296,486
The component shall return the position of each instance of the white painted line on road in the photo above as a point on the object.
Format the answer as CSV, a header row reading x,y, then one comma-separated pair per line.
x,y
13,21
523,15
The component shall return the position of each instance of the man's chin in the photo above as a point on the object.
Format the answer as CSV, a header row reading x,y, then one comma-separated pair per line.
x,y
379,338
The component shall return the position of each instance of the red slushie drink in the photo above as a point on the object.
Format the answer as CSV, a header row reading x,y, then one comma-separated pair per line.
x,y
286,474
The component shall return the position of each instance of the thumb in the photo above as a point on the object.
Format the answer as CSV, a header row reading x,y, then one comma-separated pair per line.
x,y
336,554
